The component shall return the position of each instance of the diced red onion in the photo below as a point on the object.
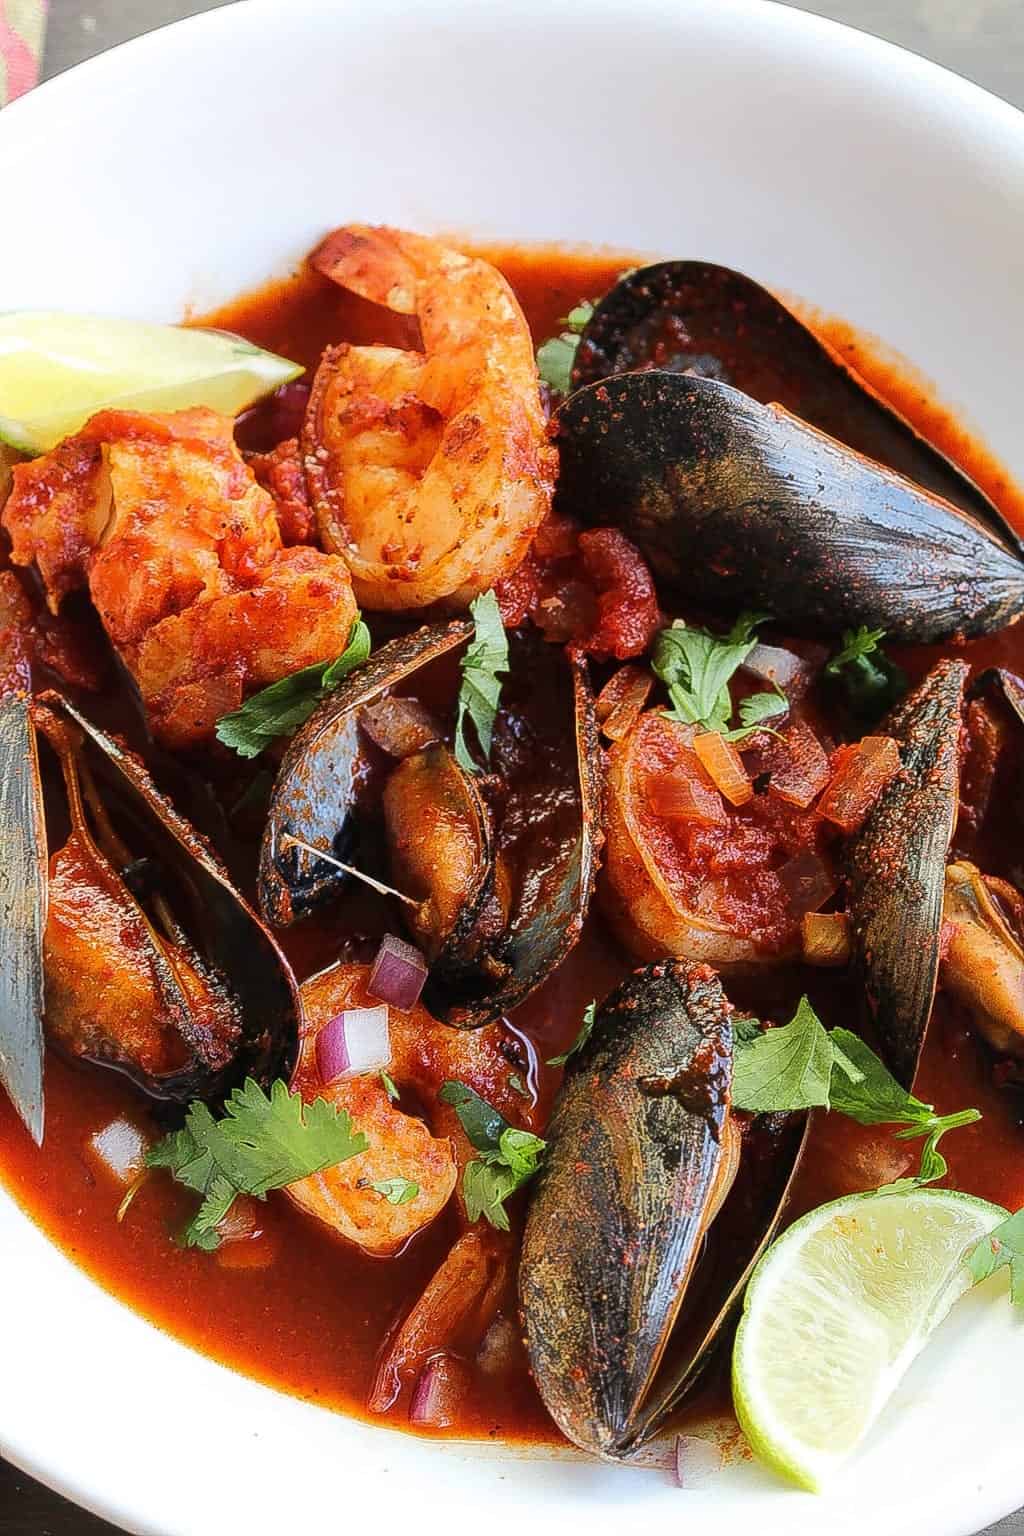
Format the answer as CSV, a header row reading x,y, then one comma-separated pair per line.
x,y
400,727
398,973
685,793
723,764
826,938
120,1149
440,1391
775,665
698,1462
863,773
353,1042
798,765
808,882
242,1221
499,1348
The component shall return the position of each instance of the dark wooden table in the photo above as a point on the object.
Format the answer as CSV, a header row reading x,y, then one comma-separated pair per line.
x,y
982,39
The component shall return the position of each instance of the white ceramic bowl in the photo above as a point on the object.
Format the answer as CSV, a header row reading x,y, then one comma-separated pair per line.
x,y
184,167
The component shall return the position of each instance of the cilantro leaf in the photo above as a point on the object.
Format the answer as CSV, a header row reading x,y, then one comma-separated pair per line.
x,y
745,1030
262,1143
803,1066
281,708
788,1068
482,1123
585,1031
870,682
491,1178
508,1157
480,691
697,667
1002,1249
556,356
396,1191
389,1086
515,1082
756,708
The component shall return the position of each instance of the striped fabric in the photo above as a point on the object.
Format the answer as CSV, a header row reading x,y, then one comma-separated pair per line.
x,y
22,23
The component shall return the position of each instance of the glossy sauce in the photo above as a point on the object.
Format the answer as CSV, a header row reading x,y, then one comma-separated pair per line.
x,y
298,1309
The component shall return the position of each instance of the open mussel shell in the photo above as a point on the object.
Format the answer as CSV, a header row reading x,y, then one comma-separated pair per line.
x,y
23,888
314,797
216,925
896,868
643,1160
546,759
696,318
740,505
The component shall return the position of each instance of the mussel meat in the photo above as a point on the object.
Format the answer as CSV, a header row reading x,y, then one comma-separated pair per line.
x,y
896,867
696,318
741,505
314,798
152,963
441,851
983,963
644,1162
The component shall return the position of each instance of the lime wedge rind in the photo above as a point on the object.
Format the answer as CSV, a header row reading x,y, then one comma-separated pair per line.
x,y
57,370
837,1311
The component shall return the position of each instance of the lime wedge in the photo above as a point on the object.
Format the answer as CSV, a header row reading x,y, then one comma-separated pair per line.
x,y
57,370
835,1313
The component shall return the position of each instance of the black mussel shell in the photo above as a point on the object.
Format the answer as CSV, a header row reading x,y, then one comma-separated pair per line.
x,y
216,923
693,317
740,505
314,795
23,887
641,1162
896,868
546,760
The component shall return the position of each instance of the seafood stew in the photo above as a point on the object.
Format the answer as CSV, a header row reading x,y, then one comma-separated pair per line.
x,y
420,769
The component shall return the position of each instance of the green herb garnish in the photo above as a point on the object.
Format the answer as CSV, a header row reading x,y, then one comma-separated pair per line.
x,y
586,1028
697,667
515,1082
262,1143
556,356
1003,1248
870,682
480,691
508,1157
396,1191
389,1086
803,1065
288,703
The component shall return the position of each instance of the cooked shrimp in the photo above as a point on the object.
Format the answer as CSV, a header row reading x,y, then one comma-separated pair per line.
x,y
181,551
429,471
685,874
424,1055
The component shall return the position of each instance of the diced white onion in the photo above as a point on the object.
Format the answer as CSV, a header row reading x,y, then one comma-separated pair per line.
x,y
355,1041
120,1150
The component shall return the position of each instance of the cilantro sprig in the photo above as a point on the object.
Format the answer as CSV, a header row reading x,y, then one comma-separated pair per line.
x,y
1003,1248
697,667
483,665
869,681
262,1143
285,705
802,1065
507,1157
585,1031
556,356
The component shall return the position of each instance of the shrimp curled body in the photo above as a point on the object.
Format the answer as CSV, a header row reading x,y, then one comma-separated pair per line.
x,y
428,471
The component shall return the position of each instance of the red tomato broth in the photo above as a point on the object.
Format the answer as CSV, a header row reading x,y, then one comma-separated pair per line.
x,y
313,1321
